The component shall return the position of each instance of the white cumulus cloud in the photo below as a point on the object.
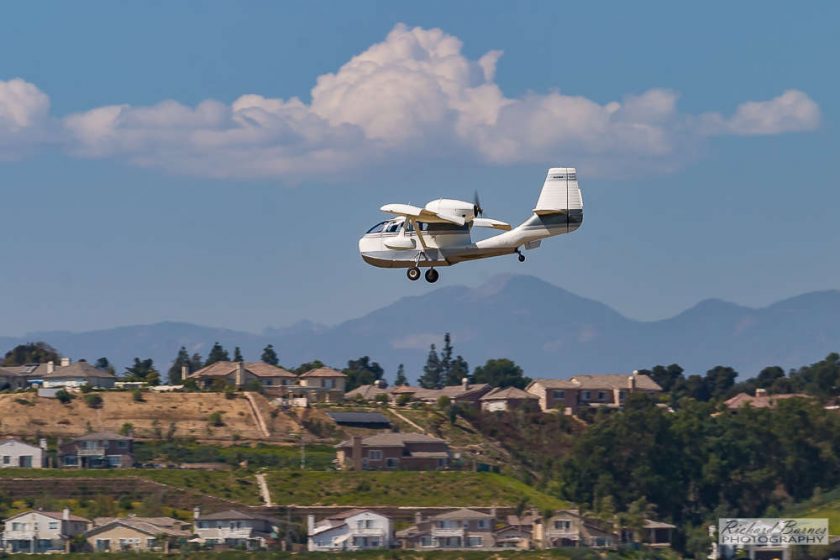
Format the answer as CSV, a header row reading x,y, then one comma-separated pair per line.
x,y
412,97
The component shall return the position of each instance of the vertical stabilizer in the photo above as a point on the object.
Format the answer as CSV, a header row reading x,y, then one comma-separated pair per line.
x,y
560,192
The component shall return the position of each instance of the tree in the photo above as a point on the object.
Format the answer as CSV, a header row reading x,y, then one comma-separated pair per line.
x,y
431,378
720,380
175,374
308,366
31,353
217,354
446,360
269,356
237,355
401,380
362,372
196,362
665,376
458,371
501,373
104,364
143,370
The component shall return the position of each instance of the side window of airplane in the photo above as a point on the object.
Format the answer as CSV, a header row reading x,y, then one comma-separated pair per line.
x,y
409,227
392,228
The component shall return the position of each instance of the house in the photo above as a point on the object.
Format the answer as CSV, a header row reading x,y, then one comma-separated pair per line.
x,y
322,384
590,390
417,452
761,399
657,534
369,392
119,534
517,532
233,528
370,420
11,380
42,531
242,374
97,450
509,398
459,528
66,374
465,393
15,453
356,529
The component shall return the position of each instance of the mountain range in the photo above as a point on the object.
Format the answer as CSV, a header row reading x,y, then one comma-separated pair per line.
x,y
547,330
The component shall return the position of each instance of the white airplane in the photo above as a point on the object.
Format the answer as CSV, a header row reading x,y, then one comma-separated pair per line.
x,y
439,233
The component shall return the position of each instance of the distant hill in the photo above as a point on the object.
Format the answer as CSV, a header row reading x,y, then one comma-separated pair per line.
x,y
546,329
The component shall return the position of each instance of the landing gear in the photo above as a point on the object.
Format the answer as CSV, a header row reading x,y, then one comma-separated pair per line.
x,y
432,276
520,256
413,273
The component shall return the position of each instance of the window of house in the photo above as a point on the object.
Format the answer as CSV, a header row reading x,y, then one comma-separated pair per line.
x,y
474,541
268,382
6,459
53,525
18,526
426,541
375,455
122,444
71,460
103,545
601,395
392,462
622,395
151,542
559,394
587,395
562,524
481,524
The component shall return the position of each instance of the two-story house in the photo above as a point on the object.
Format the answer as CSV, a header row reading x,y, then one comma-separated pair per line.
x,y
242,374
39,532
233,528
590,390
322,384
97,450
119,534
460,529
393,451
356,529
15,453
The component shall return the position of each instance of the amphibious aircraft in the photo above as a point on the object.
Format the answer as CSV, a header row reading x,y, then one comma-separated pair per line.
x,y
439,233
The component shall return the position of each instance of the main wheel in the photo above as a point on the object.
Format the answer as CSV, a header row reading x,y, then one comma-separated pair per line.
x,y
413,273
432,276
521,257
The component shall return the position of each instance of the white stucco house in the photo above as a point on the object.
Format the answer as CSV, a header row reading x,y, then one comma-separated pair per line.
x,y
42,531
15,453
355,529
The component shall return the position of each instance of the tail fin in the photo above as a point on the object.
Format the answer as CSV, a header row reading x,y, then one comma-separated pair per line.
x,y
560,192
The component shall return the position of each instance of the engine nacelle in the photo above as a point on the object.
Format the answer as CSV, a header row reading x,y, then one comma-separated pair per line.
x,y
450,206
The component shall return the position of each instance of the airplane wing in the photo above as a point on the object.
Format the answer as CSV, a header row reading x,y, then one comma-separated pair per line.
x,y
487,222
422,214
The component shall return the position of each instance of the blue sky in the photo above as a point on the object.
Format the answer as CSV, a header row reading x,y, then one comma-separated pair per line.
x,y
704,136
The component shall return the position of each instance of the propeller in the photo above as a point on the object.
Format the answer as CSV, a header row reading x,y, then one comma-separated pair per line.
x,y
477,205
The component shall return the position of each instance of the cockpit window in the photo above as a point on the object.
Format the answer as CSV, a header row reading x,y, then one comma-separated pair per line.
x,y
393,227
377,228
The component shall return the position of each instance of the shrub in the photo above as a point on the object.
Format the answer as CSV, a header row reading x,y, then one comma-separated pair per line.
x,y
86,388
230,392
127,429
93,400
215,419
63,396
443,402
403,399
137,395
381,398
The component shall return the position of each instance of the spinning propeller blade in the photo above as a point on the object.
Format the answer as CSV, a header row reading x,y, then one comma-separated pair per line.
x,y
477,205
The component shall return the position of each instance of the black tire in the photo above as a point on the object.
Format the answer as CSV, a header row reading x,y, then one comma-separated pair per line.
x,y
521,257
413,273
432,276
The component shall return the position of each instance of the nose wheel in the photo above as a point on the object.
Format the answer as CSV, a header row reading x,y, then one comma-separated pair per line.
x,y
413,273
520,256
432,276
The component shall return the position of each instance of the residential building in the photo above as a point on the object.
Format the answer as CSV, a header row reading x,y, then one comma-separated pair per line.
x,y
242,374
393,451
16,453
97,450
568,528
509,398
761,399
233,528
562,529
355,529
11,380
66,374
369,392
460,529
42,531
466,393
590,390
119,534
322,384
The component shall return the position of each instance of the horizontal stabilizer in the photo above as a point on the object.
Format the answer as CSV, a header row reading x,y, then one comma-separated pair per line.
x,y
487,222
